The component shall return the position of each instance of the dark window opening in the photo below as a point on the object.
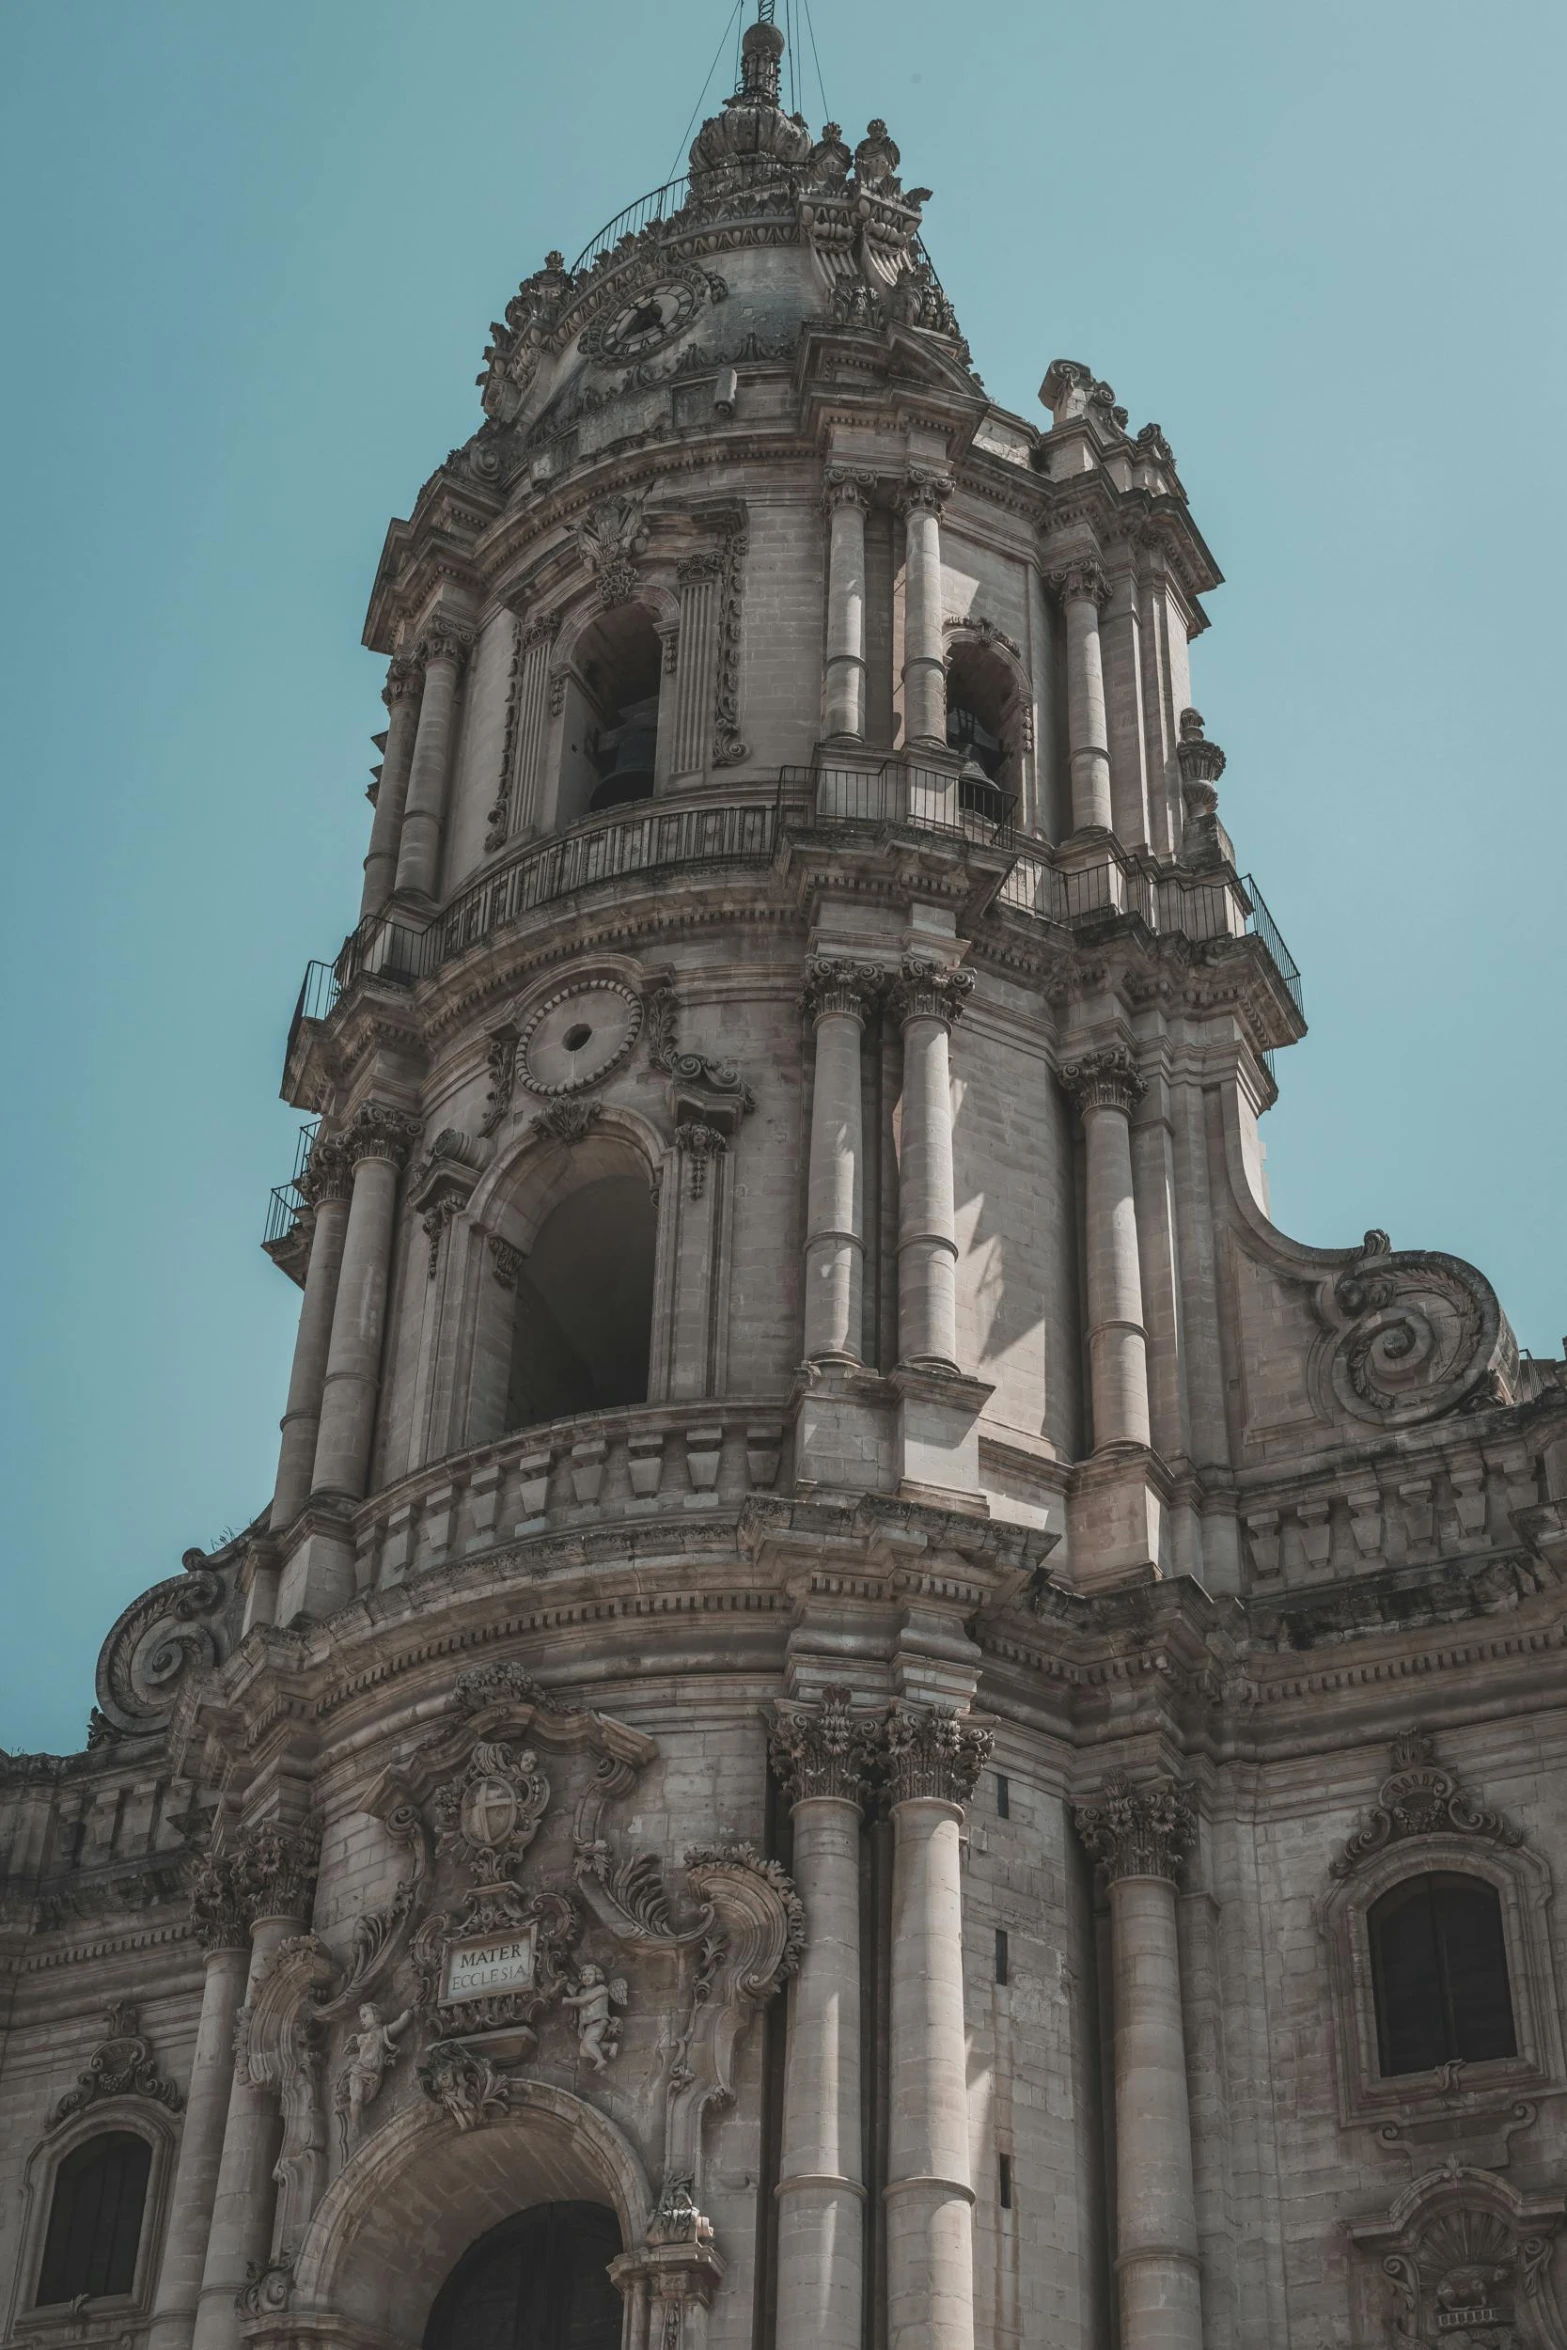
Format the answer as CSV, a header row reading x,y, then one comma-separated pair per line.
x,y
620,662
1439,1967
537,2282
1001,1954
1003,1796
1004,2181
100,2192
982,729
584,1315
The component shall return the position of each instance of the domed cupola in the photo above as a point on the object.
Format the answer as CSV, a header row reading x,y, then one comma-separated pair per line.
x,y
753,137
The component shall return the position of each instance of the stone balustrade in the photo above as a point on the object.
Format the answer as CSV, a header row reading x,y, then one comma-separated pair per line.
x,y
597,1469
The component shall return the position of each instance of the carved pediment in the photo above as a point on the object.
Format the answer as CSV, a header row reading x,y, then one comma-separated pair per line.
x,y
1463,2257
1420,1798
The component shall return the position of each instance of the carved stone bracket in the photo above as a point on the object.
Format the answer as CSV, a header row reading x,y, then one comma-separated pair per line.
x,y
826,1750
835,986
924,991
705,1093
698,1142
568,1122
265,1870
931,1751
611,536
122,2065
501,1062
1141,1831
1105,1080
1420,1798
379,1132
182,1626
729,747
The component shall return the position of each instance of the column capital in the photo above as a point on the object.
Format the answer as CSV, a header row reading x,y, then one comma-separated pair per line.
x,y
1141,1831
933,1751
833,986
923,493
1104,1080
1082,582
540,629
842,487
404,680
379,1132
823,1750
691,570
442,640
268,1870
924,991
328,1173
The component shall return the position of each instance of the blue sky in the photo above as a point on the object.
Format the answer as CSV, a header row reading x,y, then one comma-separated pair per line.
x,y
252,260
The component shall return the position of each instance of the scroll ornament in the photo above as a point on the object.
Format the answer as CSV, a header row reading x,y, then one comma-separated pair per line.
x,y
122,2065
1413,1334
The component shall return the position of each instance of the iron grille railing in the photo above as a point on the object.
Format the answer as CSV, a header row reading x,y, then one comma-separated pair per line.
x,y
658,204
286,1202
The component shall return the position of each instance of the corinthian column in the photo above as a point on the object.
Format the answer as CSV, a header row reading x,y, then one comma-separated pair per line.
x,y
1082,589
924,652
1106,1087
927,1001
325,1184
222,1926
1140,1834
820,1757
846,498
271,1875
401,696
834,1001
375,1144
935,1760
442,650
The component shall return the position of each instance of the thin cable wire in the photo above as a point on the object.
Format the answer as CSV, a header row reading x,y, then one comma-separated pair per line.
x,y
697,108
820,84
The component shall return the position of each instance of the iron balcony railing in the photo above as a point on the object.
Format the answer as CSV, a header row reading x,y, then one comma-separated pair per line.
x,y
648,841
657,205
286,1202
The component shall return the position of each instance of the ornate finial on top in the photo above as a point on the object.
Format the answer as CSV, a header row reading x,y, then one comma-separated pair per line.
x,y
761,54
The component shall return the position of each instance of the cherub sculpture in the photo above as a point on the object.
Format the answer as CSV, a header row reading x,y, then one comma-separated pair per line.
x,y
598,2026
369,2053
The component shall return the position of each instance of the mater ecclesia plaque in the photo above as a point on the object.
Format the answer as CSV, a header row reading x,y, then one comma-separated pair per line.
x,y
500,1963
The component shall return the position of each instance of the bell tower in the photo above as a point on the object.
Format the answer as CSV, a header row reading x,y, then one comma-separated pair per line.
x,y
800,1759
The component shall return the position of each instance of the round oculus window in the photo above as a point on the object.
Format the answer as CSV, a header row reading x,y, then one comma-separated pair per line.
x,y
578,1036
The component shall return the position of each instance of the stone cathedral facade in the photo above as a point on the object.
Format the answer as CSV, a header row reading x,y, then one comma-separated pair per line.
x,y
869,1715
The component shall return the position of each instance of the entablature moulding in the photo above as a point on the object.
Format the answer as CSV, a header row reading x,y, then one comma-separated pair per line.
x,y
476,549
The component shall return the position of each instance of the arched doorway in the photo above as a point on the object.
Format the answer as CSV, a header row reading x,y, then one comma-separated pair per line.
x,y
538,2281
584,1314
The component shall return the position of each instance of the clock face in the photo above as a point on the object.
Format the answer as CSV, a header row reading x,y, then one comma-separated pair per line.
x,y
647,323
577,1037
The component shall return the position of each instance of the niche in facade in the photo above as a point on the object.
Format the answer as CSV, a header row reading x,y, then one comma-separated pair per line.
x,y
982,727
611,714
584,1317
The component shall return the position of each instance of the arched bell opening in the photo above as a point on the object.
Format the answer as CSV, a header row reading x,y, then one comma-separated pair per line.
x,y
609,743
984,728
537,2281
582,1331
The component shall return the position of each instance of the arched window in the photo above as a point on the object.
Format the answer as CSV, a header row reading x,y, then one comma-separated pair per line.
x,y
982,726
95,2216
1439,1967
584,1317
536,2282
611,714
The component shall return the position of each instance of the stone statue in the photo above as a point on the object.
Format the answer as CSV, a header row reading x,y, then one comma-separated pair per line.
x,y
598,2027
370,2051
